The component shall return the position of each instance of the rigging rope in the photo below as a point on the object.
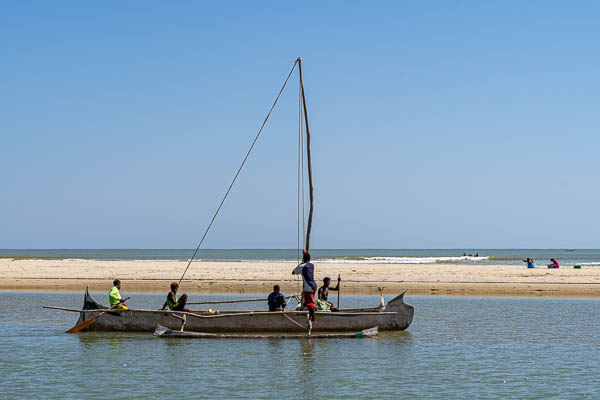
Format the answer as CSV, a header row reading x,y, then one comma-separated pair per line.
x,y
302,174
300,196
308,160
239,170
298,183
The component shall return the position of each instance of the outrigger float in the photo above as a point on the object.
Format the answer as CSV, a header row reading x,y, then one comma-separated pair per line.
x,y
161,331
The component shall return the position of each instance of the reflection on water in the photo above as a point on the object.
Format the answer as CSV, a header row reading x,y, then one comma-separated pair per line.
x,y
457,347
115,343
307,348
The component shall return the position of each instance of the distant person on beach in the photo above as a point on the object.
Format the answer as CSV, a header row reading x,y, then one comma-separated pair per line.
x,y
323,304
172,302
276,300
477,254
309,286
530,263
114,296
553,263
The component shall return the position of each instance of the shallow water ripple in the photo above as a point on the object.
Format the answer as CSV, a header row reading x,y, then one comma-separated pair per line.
x,y
456,348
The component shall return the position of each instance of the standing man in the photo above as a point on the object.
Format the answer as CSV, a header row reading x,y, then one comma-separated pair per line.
x,y
114,296
309,286
172,303
324,291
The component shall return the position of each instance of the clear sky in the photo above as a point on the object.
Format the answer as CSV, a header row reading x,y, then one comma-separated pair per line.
x,y
435,124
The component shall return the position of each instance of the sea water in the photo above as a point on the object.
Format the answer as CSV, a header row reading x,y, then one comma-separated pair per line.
x,y
588,257
526,348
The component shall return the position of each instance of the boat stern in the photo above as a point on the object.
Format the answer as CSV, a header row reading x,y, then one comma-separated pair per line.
x,y
405,311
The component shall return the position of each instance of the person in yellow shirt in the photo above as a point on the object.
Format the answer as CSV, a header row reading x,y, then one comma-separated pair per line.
x,y
114,296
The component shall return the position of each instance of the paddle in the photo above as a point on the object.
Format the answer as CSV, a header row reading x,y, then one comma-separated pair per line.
x,y
339,280
84,324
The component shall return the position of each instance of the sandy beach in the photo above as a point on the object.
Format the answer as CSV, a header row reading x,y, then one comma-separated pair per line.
x,y
259,277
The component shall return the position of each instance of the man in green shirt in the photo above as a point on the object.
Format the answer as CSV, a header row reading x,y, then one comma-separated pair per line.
x,y
114,296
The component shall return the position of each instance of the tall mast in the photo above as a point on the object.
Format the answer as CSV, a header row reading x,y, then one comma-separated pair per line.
x,y
308,159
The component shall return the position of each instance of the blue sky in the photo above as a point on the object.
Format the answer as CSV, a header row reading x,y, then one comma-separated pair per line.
x,y
435,124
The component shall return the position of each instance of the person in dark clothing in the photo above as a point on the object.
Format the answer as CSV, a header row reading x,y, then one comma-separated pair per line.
x,y
172,302
276,300
309,286
324,291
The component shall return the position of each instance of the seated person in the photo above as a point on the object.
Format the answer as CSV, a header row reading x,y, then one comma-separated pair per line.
x,y
325,306
172,302
553,264
530,263
114,296
276,300
324,294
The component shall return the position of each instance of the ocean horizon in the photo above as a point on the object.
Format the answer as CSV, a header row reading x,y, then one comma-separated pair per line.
x,y
589,257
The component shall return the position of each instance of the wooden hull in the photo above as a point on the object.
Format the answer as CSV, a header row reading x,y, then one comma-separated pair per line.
x,y
394,316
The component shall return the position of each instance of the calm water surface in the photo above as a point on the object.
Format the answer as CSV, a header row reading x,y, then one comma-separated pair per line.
x,y
456,348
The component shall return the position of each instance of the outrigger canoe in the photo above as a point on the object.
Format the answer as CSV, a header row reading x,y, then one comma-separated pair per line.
x,y
395,315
